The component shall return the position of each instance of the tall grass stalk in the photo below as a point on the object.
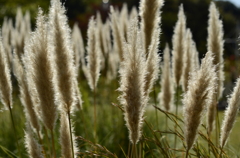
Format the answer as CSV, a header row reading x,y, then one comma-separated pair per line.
x,y
14,129
53,144
70,128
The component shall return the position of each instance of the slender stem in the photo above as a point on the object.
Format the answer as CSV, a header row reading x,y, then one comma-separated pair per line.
x,y
48,141
70,128
221,148
140,150
53,144
176,113
186,156
129,149
95,115
166,123
132,152
40,140
14,128
217,126
209,138
155,103
135,149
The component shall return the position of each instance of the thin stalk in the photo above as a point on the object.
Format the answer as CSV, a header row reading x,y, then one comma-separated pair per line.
x,y
186,156
221,148
132,152
136,151
70,128
129,148
155,103
166,123
140,150
217,126
176,113
48,142
53,144
209,139
40,140
95,114
14,128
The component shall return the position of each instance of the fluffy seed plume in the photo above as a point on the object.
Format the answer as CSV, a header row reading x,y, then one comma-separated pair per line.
x,y
230,114
26,96
197,98
33,148
166,94
5,79
178,45
41,76
149,8
63,54
153,61
93,55
132,72
195,61
215,45
7,30
117,34
78,47
188,59
65,139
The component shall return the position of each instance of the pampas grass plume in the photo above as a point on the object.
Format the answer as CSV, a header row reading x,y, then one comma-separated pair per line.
x,y
149,8
178,45
63,55
215,44
33,148
187,59
230,114
5,79
117,34
40,73
26,96
93,55
132,72
166,94
197,98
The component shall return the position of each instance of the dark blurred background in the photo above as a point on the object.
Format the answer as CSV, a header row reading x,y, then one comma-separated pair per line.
x,y
197,20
